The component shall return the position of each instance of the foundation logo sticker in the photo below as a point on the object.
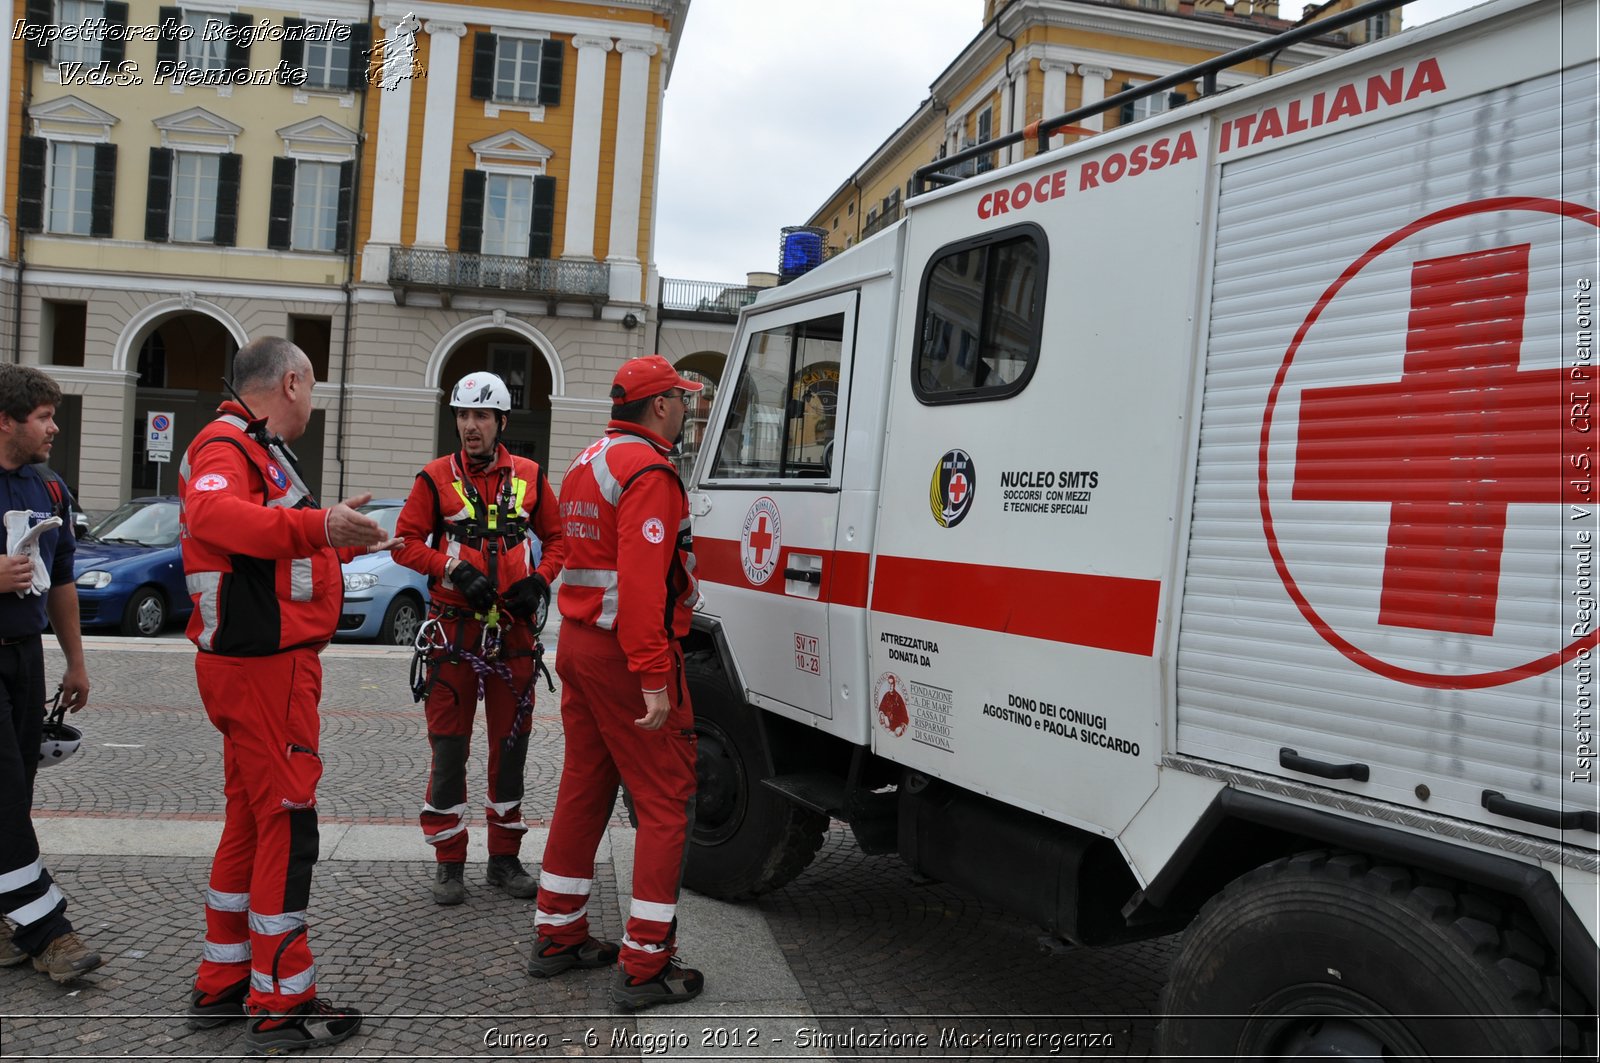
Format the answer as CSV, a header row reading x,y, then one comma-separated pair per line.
x,y
955,482
760,541
653,530
888,692
211,481
277,476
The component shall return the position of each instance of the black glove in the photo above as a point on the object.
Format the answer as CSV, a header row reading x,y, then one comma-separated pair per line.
x,y
473,585
528,597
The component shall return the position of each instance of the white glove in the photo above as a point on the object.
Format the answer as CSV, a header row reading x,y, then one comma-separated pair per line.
x,y
22,539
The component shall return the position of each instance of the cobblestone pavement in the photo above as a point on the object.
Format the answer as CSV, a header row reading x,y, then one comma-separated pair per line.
x,y
855,959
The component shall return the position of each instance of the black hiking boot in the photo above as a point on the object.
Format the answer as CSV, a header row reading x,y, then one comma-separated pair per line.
x,y
550,959
674,984
447,884
508,873
314,1024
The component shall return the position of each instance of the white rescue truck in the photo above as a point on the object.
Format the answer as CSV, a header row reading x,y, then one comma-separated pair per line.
x,y
1194,526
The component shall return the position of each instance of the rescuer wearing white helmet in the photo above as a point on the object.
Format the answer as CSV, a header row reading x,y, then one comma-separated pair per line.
x,y
496,546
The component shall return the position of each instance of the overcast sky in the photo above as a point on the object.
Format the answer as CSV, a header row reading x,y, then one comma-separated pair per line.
x,y
773,103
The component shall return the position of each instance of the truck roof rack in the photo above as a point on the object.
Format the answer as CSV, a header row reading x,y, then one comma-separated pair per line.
x,y
932,174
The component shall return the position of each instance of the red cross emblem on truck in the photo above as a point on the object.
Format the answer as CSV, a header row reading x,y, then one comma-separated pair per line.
x,y
1467,431
1460,436
761,540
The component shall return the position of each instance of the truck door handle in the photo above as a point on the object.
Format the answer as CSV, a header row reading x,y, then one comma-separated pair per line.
x,y
803,575
1572,819
1288,758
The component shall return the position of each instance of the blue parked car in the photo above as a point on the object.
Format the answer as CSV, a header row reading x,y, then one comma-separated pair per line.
x,y
383,600
129,569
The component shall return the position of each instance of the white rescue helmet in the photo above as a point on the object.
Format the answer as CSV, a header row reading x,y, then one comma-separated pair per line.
x,y
481,390
58,740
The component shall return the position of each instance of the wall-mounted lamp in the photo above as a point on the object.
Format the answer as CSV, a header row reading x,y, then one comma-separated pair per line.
x,y
630,321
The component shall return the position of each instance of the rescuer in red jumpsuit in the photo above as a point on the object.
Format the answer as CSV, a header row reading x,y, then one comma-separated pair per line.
x,y
626,600
496,545
263,569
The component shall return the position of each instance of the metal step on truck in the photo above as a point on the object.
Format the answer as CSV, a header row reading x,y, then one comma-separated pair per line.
x,y
1193,528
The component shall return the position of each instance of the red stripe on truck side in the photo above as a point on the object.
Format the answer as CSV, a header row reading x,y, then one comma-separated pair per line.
x,y
844,575
1105,612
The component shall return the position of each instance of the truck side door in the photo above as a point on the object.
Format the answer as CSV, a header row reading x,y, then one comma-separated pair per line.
x,y
766,499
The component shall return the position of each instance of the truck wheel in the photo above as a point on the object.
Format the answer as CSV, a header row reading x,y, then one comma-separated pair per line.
x,y
1328,954
747,839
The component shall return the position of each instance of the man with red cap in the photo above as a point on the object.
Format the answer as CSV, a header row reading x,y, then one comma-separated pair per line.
x,y
626,598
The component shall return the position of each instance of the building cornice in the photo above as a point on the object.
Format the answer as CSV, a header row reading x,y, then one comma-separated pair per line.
x,y
391,393
1161,27
1133,23
72,374
1114,61
577,404
210,288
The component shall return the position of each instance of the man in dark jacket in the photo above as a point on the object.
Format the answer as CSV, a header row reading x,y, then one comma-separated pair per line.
x,y
34,585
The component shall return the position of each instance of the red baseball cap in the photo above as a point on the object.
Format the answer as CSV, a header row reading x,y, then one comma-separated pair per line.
x,y
641,378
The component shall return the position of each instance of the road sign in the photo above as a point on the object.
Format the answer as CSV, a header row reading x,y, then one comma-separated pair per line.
x,y
158,432
159,455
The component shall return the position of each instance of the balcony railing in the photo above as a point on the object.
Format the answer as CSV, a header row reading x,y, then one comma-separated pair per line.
x,y
705,297
448,272
881,222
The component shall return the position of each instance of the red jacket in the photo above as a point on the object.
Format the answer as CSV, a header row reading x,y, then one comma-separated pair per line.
x,y
453,509
255,549
630,556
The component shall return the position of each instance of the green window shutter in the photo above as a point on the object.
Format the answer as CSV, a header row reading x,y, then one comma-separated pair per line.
x,y
542,231
35,157
158,196
167,46
104,195
238,50
551,61
473,185
347,189
280,207
484,46
114,49
292,57
360,56
225,232
40,13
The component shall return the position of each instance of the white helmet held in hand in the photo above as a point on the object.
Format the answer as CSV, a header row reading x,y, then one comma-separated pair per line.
x,y
58,740
482,390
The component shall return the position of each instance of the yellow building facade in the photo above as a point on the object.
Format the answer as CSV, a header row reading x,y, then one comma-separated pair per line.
x,y
1036,59
409,191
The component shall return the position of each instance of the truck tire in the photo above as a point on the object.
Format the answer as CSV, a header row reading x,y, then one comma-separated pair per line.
x,y
747,839
1329,954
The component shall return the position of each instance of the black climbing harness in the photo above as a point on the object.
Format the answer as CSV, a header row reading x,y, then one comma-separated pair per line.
x,y
489,657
